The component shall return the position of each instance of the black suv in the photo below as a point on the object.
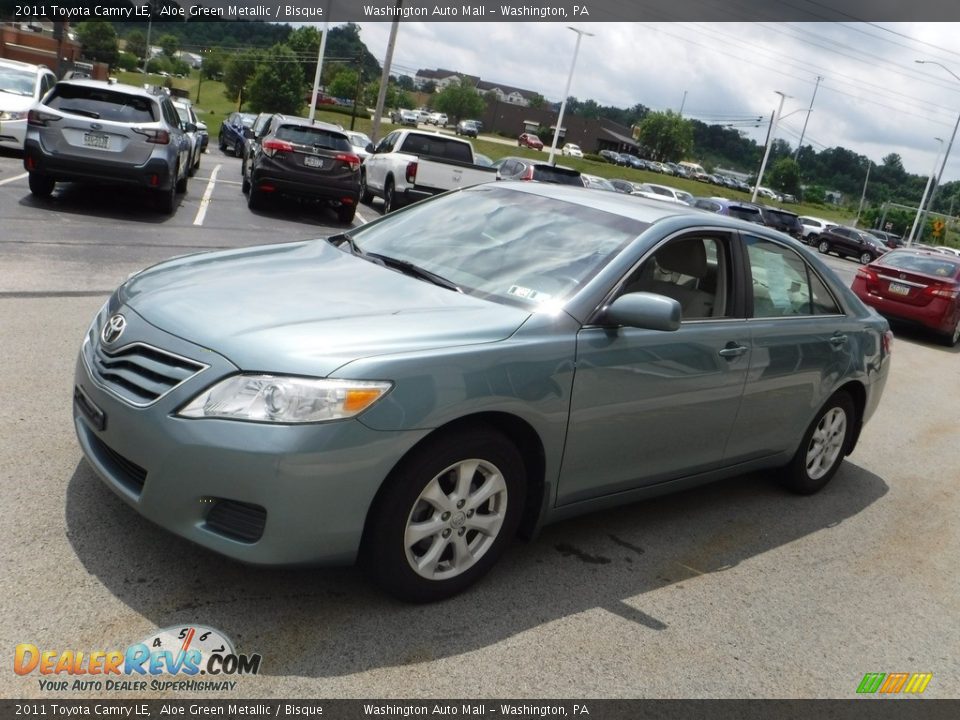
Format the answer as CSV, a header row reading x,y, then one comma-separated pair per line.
x,y
850,242
311,160
782,220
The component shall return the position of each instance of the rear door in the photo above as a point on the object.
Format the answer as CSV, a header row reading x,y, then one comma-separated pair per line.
x,y
801,343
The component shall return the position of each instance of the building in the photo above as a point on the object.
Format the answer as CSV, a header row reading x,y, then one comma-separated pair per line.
x,y
444,78
440,78
37,44
506,94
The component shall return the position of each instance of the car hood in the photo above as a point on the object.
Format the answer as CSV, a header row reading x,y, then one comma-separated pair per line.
x,y
15,103
308,308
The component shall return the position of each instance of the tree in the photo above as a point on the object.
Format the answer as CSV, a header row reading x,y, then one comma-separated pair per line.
x,y
214,63
344,85
785,176
136,44
99,41
429,87
169,44
459,100
537,101
238,71
277,85
668,136
305,43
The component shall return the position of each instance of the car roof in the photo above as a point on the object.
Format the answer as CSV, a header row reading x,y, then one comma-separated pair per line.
x,y
307,122
16,64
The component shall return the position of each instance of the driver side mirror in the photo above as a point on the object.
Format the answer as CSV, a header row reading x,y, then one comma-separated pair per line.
x,y
190,127
644,310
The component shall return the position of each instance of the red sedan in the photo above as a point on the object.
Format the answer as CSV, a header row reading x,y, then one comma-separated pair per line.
x,y
530,140
915,286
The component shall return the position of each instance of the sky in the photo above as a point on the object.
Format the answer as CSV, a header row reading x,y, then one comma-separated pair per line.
x,y
873,99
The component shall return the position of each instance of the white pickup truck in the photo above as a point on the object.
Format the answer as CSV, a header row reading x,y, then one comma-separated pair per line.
x,y
410,165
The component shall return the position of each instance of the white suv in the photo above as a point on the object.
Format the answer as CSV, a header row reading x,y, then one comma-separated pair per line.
x,y
21,85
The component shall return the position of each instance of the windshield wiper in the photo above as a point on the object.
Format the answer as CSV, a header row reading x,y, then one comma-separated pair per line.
x,y
78,111
346,239
12,91
405,266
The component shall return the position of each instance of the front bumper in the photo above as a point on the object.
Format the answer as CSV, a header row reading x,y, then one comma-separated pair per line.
x,y
13,133
259,493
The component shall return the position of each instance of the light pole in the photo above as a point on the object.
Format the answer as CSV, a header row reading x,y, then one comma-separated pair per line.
x,y
923,200
766,151
946,155
566,92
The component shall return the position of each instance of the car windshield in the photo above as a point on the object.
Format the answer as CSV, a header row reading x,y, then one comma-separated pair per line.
x,y
358,139
924,264
504,245
184,114
247,120
16,82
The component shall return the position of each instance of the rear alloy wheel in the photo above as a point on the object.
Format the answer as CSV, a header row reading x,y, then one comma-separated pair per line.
x,y
445,515
824,247
865,258
823,448
951,339
41,186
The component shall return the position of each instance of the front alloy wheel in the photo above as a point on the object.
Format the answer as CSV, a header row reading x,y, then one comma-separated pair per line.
x,y
445,515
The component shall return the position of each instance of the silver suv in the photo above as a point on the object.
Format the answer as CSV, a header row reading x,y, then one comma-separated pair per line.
x,y
21,85
94,131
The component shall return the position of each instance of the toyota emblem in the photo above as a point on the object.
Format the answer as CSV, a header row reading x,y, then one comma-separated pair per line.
x,y
113,329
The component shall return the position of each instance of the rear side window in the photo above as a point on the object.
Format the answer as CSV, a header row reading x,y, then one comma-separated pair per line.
x,y
102,104
783,284
751,214
437,147
314,137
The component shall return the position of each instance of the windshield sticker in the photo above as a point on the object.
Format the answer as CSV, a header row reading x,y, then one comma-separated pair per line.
x,y
528,294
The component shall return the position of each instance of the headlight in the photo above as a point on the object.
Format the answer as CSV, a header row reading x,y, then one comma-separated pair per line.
x,y
282,399
12,115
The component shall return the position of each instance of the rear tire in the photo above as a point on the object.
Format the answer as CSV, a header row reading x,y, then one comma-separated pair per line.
x,y
166,200
823,448
365,195
952,338
865,258
182,183
824,247
41,186
346,213
445,515
389,197
255,200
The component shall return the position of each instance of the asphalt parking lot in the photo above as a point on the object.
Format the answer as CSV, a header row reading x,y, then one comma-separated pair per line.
x,y
732,590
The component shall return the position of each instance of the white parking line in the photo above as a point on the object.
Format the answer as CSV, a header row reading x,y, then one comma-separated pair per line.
x,y
205,201
360,218
13,179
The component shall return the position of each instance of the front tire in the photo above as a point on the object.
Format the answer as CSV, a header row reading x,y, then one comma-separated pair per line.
x,y
389,197
445,515
41,186
365,195
823,448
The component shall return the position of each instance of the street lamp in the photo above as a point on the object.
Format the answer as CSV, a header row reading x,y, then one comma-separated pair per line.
x,y
566,92
946,155
766,151
923,200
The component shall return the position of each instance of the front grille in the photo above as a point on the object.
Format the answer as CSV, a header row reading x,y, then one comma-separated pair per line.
x,y
127,472
139,373
237,520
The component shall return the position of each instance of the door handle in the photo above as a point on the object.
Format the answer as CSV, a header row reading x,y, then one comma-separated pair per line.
x,y
732,351
838,340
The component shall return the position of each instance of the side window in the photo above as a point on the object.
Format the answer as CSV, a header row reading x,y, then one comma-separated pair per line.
x,y
386,145
783,284
170,114
694,270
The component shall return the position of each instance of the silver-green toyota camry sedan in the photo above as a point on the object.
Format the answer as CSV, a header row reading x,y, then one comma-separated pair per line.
x,y
416,392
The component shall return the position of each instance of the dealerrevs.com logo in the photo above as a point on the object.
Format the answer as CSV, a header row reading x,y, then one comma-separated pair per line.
x,y
174,658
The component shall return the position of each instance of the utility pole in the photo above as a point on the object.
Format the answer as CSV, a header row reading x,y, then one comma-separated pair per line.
x,y
356,92
936,184
926,190
385,76
766,152
863,195
682,103
316,75
803,132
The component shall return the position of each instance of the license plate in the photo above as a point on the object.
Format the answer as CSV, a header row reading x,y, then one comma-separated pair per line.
x,y
313,161
96,140
898,289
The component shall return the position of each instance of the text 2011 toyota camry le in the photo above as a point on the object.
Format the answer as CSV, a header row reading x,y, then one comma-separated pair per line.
x,y
416,392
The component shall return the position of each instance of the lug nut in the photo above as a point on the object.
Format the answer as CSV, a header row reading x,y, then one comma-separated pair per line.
x,y
446,533
461,503
445,516
470,513
461,531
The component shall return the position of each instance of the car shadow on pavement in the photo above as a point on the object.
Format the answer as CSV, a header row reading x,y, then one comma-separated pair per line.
x,y
322,622
113,202
920,336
